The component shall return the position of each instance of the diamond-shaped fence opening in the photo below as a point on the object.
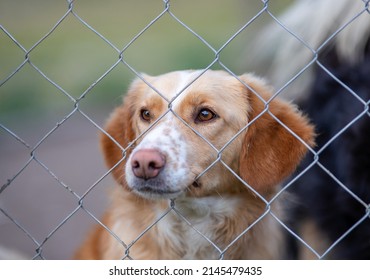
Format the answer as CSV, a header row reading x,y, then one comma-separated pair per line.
x,y
70,63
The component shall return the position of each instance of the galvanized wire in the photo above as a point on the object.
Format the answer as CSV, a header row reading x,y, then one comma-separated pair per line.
x,y
121,60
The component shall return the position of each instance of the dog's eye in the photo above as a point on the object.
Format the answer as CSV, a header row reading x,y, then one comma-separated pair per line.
x,y
145,115
205,115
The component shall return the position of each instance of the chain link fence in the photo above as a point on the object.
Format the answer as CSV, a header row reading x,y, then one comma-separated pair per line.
x,y
78,205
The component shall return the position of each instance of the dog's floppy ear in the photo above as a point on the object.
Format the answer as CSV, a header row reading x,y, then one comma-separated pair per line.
x,y
119,127
270,152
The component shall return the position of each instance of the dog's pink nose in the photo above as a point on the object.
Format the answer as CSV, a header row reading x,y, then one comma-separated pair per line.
x,y
147,163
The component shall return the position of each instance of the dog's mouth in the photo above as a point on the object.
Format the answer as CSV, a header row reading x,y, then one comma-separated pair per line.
x,y
156,192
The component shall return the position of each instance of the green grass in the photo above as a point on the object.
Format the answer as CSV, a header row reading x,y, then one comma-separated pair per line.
x,y
74,57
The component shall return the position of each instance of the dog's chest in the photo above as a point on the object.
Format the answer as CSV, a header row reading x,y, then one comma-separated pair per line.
x,y
192,229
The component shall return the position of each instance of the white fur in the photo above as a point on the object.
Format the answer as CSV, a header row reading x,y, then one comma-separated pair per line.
x,y
201,213
168,140
313,21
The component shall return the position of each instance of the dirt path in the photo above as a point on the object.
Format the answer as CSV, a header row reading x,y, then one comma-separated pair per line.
x,y
39,202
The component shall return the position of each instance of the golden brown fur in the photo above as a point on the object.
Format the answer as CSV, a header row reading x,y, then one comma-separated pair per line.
x,y
217,204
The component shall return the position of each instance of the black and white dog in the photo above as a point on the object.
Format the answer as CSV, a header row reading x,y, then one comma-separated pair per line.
x,y
336,207
332,214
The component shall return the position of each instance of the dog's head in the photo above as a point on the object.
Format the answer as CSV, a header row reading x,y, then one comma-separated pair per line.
x,y
183,133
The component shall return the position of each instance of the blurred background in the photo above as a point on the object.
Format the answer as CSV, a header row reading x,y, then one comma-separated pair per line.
x,y
49,151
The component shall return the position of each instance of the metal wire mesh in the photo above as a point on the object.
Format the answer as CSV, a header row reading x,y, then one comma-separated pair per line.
x,y
40,242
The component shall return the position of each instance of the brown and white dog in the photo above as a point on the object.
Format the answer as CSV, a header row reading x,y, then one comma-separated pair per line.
x,y
201,155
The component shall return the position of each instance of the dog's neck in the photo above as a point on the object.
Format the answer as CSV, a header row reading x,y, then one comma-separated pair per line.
x,y
193,224
195,227
201,207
